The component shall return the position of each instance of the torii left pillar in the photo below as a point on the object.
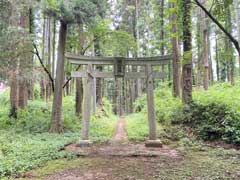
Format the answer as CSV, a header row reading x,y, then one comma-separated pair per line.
x,y
85,142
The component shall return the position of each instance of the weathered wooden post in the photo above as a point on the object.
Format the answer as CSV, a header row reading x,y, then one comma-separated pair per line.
x,y
94,96
86,108
152,142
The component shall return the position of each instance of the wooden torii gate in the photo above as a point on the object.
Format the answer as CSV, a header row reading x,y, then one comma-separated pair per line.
x,y
119,71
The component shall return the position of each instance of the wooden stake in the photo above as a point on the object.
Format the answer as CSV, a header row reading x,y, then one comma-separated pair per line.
x,y
87,104
150,103
94,96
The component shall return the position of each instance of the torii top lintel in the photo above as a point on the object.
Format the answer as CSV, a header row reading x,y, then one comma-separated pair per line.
x,y
140,61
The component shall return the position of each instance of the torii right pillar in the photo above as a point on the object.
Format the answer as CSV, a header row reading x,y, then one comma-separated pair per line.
x,y
153,141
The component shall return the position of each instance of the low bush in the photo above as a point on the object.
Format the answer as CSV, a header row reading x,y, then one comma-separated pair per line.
x,y
21,152
165,104
213,114
212,121
25,142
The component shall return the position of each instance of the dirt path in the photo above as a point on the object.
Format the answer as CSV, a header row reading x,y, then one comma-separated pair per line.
x,y
117,159
120,133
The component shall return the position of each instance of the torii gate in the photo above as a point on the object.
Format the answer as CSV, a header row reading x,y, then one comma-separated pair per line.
x,y
119,70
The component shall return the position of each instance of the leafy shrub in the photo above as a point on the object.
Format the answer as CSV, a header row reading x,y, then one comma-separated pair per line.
x,y
165,105
213,115
137,127
22,152
212,121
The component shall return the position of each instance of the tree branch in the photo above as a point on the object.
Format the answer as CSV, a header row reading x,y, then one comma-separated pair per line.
x,y
36,52
83,52
232,39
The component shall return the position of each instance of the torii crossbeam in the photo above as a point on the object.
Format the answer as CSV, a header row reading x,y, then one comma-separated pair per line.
x,y
119,70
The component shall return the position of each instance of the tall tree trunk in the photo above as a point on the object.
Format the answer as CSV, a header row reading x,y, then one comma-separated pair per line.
x,y
48,85
99,81
217,57
199,49
79,82
162,47
229,48
53,48
187,48
211,77
175,64
79,96
24,61
205,50
237,14
56,119
32,80
42,81
13,93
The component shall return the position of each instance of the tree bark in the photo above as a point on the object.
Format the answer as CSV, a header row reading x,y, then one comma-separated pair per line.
x,y
217,57
187,57
199,49
205,50
56,119
79,96
13,94
237,14
79,83
48,85
42,81
175,63
23,63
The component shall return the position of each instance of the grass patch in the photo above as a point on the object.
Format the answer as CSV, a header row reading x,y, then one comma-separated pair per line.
x,y
137,127
25,142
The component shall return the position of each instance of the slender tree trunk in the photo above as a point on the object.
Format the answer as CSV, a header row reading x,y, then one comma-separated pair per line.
x,y
205,50
24,61
56,119
53,48
79,96
48,85
199,47
237,14
211,77
79,82
32,80
187,48
162,47
175,64
217,57
13,93
42,81
229,48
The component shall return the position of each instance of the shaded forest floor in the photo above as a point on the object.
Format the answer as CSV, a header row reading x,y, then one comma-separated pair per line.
x,y
122,159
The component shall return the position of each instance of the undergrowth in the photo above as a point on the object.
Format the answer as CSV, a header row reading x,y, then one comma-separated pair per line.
x,y
25,142
213,114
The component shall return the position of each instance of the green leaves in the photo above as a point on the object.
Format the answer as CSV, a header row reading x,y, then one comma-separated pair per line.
x,y
78,11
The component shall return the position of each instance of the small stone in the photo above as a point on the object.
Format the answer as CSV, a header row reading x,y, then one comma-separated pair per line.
x,y
84,143
153,143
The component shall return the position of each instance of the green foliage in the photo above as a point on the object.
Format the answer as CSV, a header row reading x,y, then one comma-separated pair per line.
x,y
118,43
81,11
137,127
165,104
25,143
22,152
214,114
